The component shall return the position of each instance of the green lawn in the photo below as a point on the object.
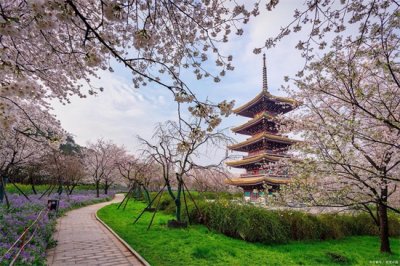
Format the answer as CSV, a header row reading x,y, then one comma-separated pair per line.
x,y
198,246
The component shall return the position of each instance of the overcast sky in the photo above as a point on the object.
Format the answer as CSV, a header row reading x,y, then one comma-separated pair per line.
x,y
121,112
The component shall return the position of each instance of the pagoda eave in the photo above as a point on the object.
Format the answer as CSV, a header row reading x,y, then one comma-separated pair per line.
x,y
260,137
244,181
250,103
244,110
256,180
254,159
255,121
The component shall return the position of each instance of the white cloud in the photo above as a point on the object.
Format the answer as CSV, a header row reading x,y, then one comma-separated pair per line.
x,y
119,113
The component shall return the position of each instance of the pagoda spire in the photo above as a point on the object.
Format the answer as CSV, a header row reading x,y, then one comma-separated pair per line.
x,y
265,81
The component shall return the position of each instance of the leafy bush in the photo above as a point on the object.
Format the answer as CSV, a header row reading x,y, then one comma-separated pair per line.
x,y
394,224
300,225
218,195
255,224
166,204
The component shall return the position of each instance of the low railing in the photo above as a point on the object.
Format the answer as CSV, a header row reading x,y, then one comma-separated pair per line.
x,y
22,241
269,175
264,151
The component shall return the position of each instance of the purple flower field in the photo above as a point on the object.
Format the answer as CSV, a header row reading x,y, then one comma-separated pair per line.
x,y
23,213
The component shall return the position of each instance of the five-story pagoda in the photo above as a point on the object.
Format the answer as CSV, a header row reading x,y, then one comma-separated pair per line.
x,y
265,146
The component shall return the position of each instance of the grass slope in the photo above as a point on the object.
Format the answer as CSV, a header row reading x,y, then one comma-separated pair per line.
x,y
198,246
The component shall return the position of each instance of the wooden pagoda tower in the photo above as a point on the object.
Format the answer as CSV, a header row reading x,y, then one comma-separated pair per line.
x,y
264,147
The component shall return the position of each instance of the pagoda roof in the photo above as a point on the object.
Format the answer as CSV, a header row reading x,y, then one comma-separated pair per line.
x,y
254,159
256,180
259,97
252,122
259,137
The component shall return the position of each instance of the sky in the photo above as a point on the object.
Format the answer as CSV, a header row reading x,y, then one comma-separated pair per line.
x,y
121,113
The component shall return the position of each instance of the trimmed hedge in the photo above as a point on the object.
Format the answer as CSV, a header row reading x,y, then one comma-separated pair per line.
x,y
255,224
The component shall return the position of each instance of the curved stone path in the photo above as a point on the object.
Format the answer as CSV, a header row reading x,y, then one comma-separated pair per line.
x,y
82,240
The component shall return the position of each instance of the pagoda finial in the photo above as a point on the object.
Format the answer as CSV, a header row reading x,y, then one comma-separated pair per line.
x,y
265,81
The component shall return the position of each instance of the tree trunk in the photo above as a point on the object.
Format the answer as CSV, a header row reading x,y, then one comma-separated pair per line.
x,y
170,192
384,228
97,189
106,187
72,189
2,190
147,196
60,190
33,186
178,202
136,192
178,209
47,190
34,189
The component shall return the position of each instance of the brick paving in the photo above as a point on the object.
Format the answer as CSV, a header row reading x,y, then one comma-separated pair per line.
x,y
82,240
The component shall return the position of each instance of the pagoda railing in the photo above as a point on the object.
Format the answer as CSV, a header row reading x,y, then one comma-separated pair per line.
x,y
270,113
265,151
269,175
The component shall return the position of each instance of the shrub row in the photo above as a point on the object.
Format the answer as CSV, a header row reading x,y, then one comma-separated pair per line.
x,y
167,205
255,224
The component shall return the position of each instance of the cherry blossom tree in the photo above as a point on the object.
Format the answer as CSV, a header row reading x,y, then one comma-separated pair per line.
x,y
51,49
16,150
54,166
132,172
138,173
101,163
48,45
66,171
207,180
176,147
32,173
324,23
350,123
350,117
74,172
27,141
73,164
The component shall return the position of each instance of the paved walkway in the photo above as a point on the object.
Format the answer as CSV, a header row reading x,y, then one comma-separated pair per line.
x,y
82,240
